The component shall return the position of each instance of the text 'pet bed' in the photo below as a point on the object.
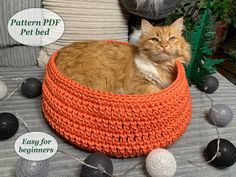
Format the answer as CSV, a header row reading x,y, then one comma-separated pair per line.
x,y
118,125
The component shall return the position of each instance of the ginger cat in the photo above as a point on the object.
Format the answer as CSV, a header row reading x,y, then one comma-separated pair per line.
x,y
147,67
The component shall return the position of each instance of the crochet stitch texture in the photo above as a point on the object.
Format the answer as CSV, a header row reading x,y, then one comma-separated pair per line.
x,y
118,125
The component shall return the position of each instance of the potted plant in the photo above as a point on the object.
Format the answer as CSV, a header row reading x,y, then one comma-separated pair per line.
x,y
224,13
223,10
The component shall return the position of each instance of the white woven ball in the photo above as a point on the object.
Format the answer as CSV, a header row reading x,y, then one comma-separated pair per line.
x,y
3,90
160,163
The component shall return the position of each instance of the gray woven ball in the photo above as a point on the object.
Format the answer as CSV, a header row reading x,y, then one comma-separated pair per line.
x,y
26,168
221,114
151,9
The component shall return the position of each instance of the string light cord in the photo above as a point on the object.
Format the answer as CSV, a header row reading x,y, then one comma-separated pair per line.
x,y
217,131
218,140
17,87
131,169
22,120
67,154
99,167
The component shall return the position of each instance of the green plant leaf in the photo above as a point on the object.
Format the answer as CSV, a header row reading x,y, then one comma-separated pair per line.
x,y
200,40
209,64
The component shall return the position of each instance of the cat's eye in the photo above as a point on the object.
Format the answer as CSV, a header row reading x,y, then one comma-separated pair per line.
x,y
155,39
172,39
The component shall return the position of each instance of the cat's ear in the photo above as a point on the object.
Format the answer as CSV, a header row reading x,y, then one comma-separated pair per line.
x,y
146,27
178,25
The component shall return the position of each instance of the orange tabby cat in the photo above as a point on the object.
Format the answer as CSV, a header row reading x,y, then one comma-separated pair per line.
x,y
146,67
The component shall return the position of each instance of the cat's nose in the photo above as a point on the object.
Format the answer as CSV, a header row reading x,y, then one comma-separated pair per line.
x,y
164,45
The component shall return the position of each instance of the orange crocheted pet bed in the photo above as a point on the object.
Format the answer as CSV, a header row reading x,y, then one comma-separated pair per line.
x,y
118,125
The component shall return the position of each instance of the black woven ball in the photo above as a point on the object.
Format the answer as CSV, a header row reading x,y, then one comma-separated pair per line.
x,y
31,88
210,84
227,153
9,125
100,160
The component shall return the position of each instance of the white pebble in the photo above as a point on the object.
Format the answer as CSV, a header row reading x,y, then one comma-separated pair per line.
x,y
160,163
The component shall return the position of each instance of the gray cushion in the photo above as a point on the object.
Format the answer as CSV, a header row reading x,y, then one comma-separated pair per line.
x,y
9,56
19,56
86,20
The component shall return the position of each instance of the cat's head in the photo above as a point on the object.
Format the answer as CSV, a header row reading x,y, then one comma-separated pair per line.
x,y
164,43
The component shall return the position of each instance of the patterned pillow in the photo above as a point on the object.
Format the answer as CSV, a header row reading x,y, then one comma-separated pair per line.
x,y
84,20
